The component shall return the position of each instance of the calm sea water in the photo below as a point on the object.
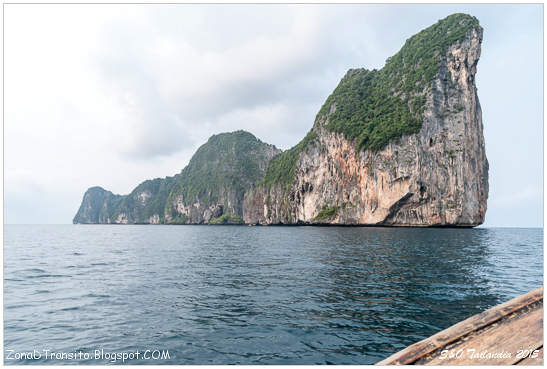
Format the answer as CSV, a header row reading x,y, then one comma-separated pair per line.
x,y
250,295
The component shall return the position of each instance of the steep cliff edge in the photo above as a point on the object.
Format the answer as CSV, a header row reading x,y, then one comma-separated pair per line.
x,y
400,146
210,189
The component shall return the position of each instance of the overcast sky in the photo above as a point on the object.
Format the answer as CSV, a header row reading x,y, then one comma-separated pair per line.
x,y
111,95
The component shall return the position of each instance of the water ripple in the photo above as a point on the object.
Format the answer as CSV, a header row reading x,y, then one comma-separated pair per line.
x,y
254,295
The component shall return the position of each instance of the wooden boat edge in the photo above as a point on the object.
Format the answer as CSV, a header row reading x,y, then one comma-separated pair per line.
x,y
451,334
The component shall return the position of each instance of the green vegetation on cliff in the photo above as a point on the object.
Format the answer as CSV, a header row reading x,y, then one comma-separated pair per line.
x,y
226,165
147,199
281,169
373,108
326,212
227,219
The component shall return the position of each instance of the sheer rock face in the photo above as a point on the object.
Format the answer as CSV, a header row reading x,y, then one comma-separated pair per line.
x,y
437,177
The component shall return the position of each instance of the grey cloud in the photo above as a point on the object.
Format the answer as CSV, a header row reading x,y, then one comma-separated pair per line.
x,y
127,68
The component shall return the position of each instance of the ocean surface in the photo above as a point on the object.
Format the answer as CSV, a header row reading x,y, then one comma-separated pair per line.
x,y
99,294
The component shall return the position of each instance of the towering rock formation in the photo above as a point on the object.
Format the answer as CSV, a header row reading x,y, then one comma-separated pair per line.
x,y
399,146
402,146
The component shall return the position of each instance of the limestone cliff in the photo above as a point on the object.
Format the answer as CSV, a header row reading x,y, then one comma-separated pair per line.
x,y
399,146
402,146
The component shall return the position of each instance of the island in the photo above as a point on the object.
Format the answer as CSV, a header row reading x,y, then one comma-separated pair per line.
x,y
398,146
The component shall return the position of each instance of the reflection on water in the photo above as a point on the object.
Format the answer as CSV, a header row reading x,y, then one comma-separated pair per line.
x,y
254,295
